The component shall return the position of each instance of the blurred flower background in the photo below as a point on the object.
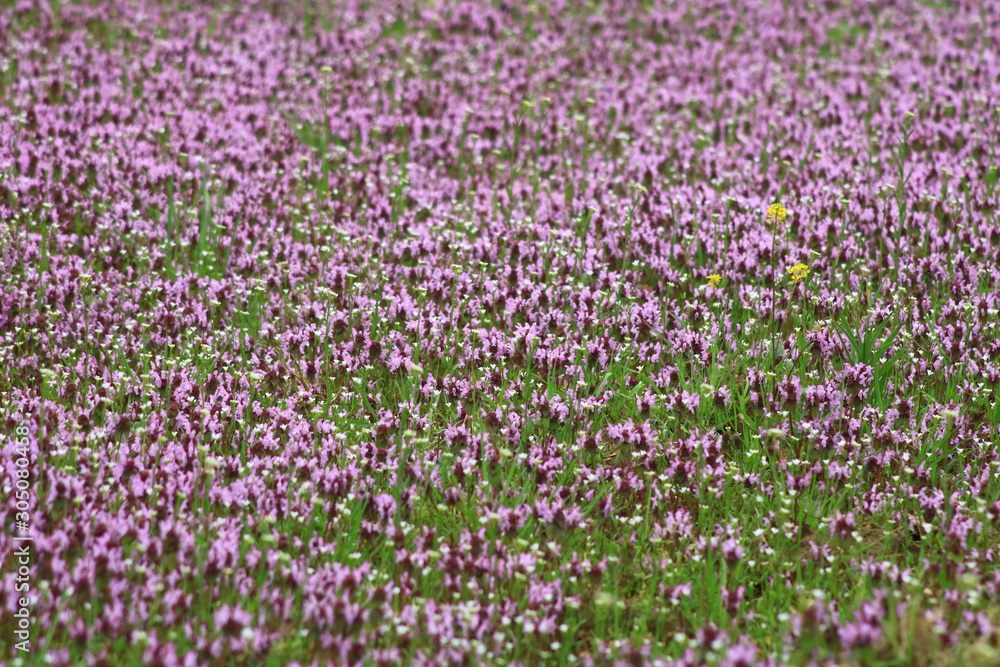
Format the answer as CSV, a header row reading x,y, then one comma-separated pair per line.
x,y
379,333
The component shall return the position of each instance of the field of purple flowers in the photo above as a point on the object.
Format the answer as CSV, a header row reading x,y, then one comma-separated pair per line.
x,y
587,333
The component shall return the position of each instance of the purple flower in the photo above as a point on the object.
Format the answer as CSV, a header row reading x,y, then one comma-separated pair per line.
x,y
385,506
231,620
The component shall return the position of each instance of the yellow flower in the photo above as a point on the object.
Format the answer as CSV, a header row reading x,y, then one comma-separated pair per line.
x,y
776,213
798,272
714,280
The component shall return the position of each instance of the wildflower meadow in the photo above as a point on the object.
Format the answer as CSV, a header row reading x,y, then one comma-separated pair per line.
x,y
590,332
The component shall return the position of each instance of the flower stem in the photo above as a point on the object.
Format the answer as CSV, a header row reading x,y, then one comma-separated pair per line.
x,y
774,296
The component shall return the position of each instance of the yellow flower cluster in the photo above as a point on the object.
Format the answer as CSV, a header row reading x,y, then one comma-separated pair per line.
x,y
776,213
798,272
714,280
